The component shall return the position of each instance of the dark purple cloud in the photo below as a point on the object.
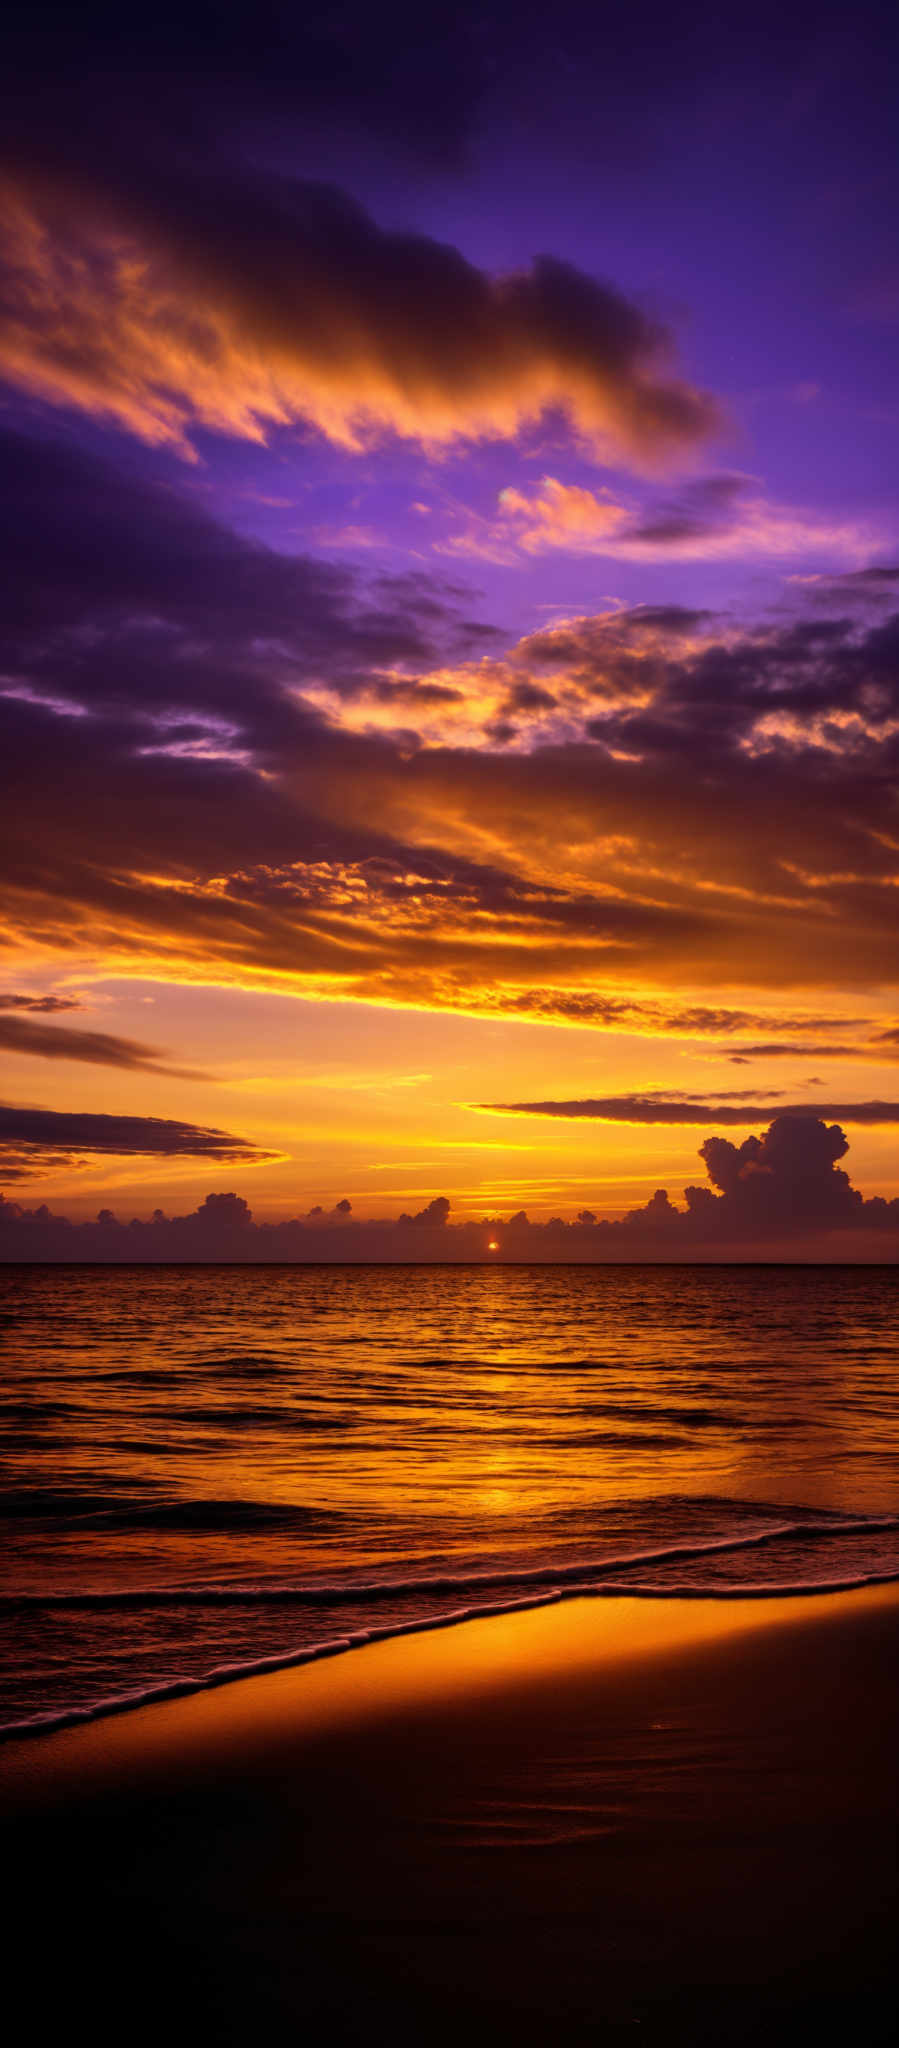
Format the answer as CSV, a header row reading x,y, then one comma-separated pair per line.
x,y
698,513
432,1217
47,1006
212,75
97,1048
427,83
687,1109
812,1048
34,1141
113,581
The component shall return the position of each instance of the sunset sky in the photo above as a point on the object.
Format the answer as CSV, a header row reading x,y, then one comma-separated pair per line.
x,y
450,664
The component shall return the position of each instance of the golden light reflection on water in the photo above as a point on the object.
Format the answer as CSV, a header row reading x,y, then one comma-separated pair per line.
x,y
219,1465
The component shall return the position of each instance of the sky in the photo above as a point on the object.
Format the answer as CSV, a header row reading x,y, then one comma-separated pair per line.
x,y
450,636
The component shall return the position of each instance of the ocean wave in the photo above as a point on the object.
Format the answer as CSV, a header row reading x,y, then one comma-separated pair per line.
x,y
585,1572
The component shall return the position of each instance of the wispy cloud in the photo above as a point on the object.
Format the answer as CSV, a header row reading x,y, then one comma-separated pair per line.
x,y
20,1033
713,519
691,1109
47,1006
36,1141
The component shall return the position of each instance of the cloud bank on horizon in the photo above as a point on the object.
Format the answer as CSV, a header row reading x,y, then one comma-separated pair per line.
x,y
452,568
779,1196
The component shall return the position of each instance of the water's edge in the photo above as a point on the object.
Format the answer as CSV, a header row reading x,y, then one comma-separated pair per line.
x,y
230,1674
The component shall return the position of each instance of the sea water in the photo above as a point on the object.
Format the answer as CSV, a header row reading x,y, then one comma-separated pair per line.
x,y
208,1470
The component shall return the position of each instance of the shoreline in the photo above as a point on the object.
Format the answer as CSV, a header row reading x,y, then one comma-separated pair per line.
x,y
563,1822
167,1690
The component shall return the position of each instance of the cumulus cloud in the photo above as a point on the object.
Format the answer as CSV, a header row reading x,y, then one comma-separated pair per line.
x,y
302,309
432,1217
35,1141
781,1195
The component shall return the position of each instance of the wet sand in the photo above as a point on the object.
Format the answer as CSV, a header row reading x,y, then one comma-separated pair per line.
x,y
669,1821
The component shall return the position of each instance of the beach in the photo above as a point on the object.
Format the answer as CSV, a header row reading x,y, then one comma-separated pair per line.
x,y
665,1819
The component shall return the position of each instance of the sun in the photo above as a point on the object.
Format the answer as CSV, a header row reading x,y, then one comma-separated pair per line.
x,y
493,1246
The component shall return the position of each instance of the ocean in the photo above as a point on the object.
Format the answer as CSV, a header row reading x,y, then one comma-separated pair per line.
x,y
214,1470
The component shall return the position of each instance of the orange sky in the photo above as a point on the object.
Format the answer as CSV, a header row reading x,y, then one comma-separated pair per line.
x,y
376,1104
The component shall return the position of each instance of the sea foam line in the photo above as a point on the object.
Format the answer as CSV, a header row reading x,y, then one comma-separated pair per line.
x,y
229,1674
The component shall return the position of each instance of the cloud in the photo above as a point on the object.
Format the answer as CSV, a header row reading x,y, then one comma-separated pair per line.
x,y
301,309
433,1216
630,1011
283,775
785,1183
871,1049
563,516
687,1109
780,1195
98,1048
124,83
715,518
47,1006
727,518
35,1141
125,594
874,587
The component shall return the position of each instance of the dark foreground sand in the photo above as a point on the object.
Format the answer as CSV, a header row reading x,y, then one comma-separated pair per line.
x,y
609,1820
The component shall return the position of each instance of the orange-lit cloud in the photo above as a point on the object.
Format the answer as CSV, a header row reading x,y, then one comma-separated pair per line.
x,y
229,766
717,518
559,515
243,305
